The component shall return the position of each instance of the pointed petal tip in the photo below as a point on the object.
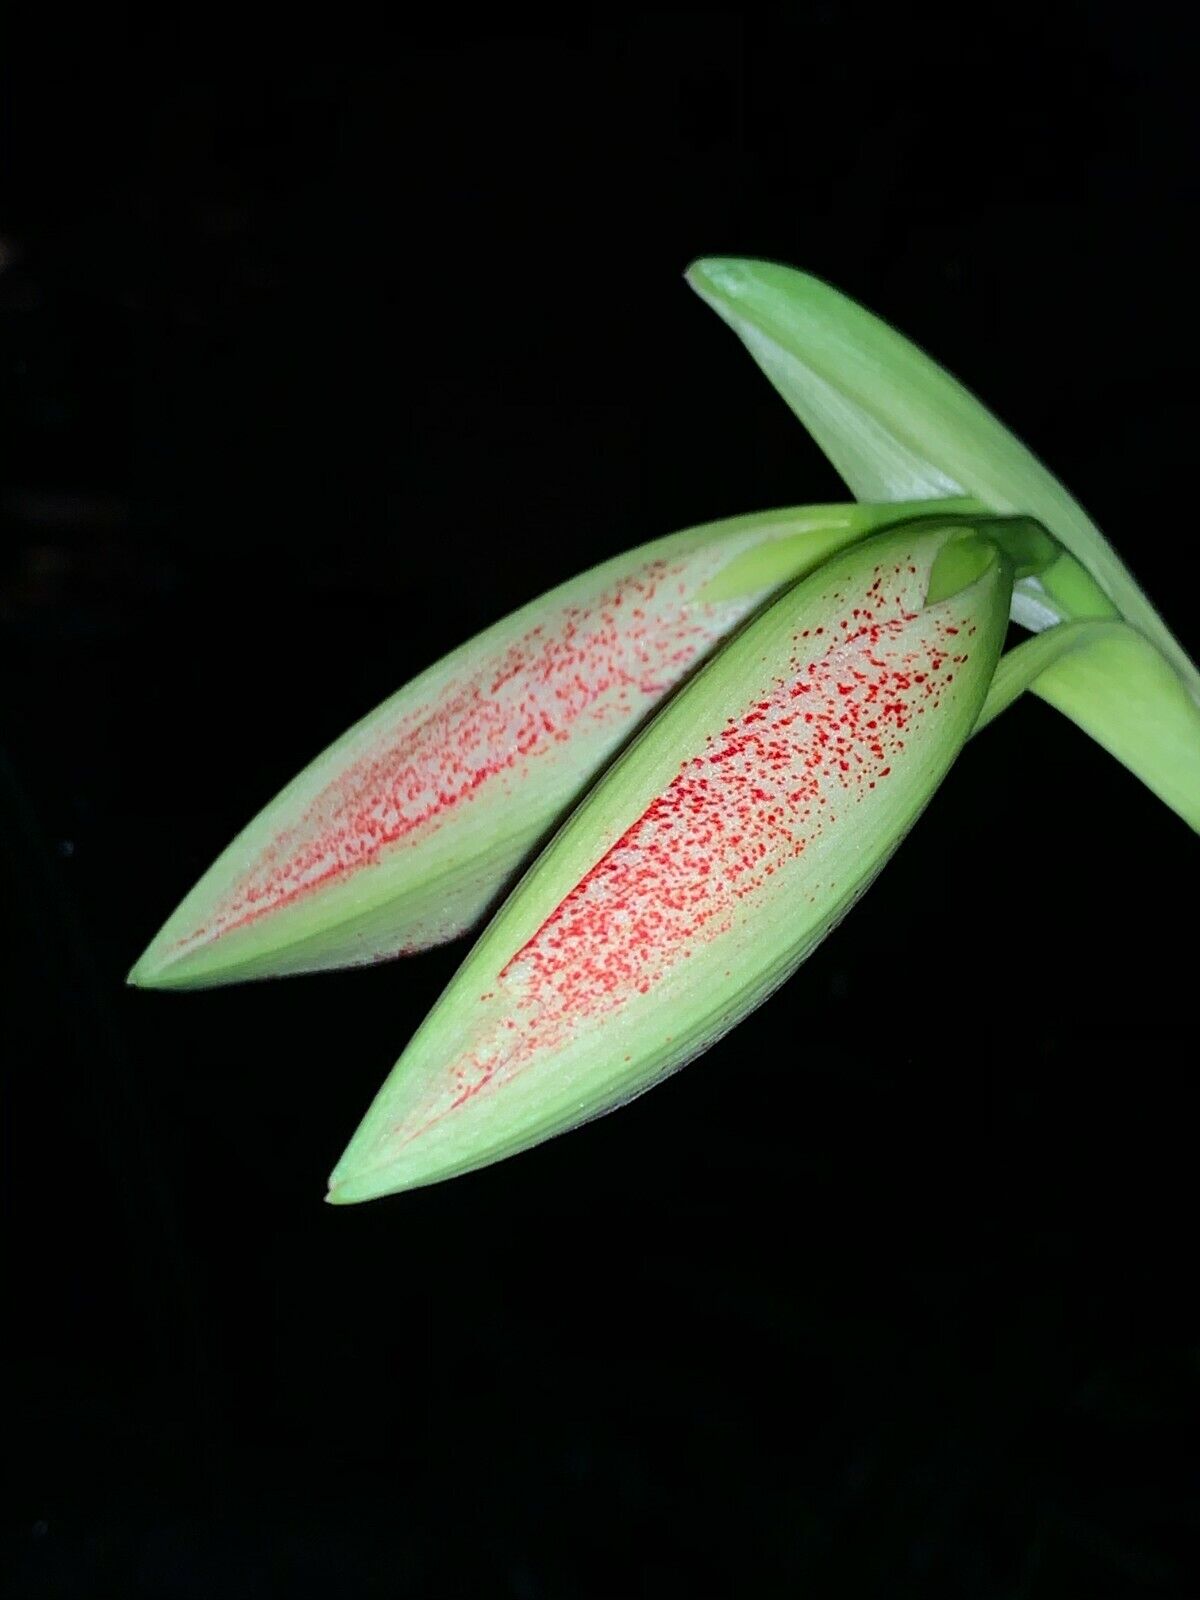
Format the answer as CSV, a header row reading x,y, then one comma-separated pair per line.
x,y
146,973
353,1188
152,971
164,965
366,1173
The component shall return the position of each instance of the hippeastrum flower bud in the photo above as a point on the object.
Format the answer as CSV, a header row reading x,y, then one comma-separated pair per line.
x,y
403,832
729,838
896,425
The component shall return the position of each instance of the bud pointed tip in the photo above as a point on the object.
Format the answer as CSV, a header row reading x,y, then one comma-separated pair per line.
x,y
353,1187
145,973
153,970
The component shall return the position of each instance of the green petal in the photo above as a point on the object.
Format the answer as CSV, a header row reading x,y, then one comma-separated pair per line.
x,y
1106,677
732,834
896,426
405,830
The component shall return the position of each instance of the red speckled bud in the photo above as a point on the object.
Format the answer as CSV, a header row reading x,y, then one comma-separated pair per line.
x,y
708,862
403,832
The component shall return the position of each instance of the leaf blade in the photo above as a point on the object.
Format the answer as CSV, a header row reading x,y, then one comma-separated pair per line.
x,y
891,418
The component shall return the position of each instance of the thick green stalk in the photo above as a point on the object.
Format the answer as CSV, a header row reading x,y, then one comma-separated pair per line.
x,y
1110,680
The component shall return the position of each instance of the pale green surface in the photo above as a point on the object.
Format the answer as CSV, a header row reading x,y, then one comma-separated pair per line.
x,y
896,425
1106,677
409,1138
418,894
1019,668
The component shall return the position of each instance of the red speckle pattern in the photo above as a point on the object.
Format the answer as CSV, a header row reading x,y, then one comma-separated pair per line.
x,y
734,821
546,705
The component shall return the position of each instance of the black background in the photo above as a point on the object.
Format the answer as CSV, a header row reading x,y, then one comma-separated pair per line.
x,y
313,367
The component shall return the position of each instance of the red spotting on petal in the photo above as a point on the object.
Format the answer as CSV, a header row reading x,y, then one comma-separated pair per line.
x,y
599,664
737,815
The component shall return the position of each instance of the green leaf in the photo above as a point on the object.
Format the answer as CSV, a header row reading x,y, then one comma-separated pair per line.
x,y
1106,677
714,855
896,426
405,830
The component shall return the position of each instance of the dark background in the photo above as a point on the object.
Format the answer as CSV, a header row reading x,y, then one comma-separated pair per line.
x,y
312,368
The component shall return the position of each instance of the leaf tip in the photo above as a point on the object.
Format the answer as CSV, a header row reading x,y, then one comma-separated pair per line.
x,y
717,279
